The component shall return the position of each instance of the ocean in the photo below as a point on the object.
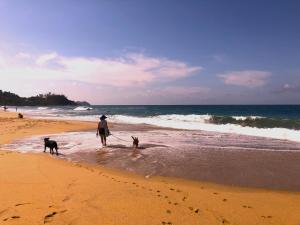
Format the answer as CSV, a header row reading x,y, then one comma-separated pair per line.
x,y
272,121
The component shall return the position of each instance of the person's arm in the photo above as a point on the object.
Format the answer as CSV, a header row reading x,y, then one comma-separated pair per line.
x,y
97,134
107,130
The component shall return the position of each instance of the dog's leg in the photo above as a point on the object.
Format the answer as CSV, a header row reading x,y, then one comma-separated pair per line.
x,y
56,151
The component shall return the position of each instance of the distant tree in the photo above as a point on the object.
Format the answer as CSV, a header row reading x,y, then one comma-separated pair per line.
x,y
7,98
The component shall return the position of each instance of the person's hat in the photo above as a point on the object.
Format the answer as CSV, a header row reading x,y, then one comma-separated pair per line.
x,y
103,117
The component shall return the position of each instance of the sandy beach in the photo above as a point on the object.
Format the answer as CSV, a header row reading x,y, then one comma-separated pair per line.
x,y
42,189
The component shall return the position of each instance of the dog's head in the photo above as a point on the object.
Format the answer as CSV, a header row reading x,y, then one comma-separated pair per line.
x,y
46,139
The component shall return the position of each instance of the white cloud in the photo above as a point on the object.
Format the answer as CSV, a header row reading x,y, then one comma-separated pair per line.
x,y
23,55
43,59
246,78
129,70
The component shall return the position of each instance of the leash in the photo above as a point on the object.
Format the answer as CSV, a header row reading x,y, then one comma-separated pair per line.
x,y
118,138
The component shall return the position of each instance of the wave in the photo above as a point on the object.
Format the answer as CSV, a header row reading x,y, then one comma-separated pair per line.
x,y
259,122
286,129
82,108
257,126
42,108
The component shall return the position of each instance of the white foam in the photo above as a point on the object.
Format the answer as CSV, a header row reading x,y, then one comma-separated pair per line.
x,y
188,122
245,117
42,108
82,108
200,122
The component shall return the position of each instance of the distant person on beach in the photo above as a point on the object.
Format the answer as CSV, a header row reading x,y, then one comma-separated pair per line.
x,y
103,130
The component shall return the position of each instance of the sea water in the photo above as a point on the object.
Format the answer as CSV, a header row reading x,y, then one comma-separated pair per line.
x,y
272,121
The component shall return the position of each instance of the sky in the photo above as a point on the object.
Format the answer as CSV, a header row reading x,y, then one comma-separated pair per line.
x,y
152,52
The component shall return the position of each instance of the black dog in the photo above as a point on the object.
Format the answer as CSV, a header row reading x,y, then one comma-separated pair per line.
x,y
50,144
135,142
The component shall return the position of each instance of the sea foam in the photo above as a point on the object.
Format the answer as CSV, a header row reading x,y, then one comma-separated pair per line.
x,y
201,122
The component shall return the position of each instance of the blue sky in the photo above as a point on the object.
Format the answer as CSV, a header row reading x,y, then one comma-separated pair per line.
x,y
153,52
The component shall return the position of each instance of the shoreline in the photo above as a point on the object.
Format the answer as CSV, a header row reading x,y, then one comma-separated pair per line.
x,y
39,189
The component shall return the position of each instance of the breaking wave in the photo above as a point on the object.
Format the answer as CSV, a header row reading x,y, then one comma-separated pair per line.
x,y
254,126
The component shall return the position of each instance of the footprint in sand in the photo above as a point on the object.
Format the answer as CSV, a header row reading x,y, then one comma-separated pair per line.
x,y
168,211
226,222
196,210
20,204
12,217
3,211
15,217
63,211
48,217
71,184
267,217
67,198
166,223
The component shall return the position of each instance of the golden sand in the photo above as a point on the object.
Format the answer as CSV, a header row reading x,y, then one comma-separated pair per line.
x,y
41,189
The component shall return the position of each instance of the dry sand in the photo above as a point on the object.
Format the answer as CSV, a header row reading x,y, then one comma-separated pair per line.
x,y
41,189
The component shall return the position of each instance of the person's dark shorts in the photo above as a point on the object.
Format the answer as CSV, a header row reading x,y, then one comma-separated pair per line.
x,y
102,131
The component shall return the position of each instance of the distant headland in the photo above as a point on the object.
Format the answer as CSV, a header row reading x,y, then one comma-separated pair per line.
x,y
11,99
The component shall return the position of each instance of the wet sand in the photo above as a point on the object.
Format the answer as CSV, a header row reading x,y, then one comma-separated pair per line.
x,y
222,158
229,159
43,189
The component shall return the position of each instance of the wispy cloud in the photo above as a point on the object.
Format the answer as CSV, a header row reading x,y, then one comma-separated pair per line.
x,y
246,78
45,58
185,91
127,70
288,88
131,78
23,55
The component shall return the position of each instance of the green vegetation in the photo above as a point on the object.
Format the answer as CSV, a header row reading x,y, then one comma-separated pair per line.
x,y
11,99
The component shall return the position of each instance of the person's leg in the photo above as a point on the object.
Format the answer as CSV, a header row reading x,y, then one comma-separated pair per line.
x,y
104,140
101,139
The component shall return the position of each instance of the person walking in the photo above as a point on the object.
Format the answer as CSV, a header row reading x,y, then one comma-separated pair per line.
x,y
103,130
